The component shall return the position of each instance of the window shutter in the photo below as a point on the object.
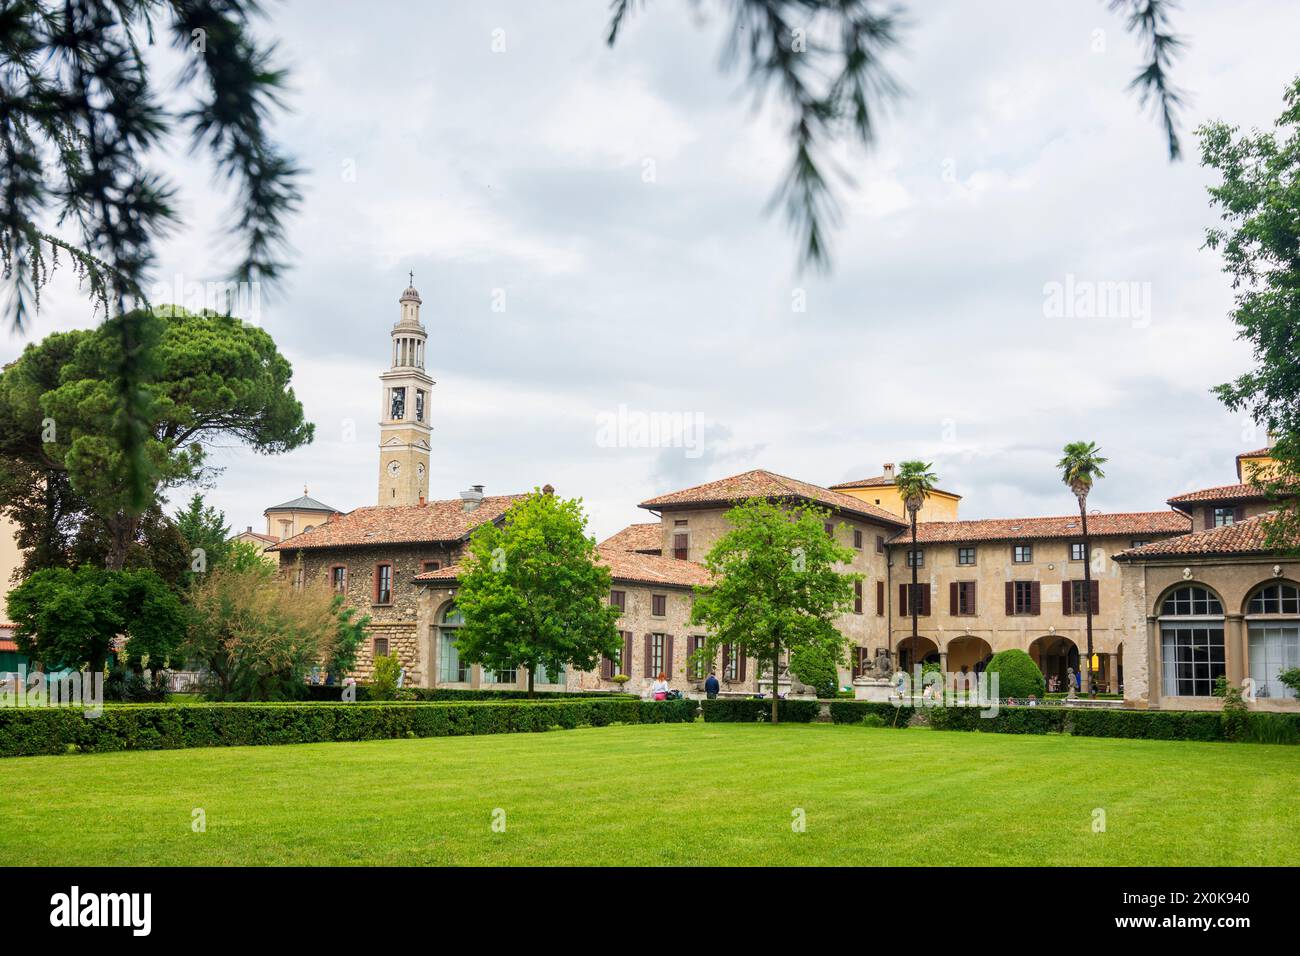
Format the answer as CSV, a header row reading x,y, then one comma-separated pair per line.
x,y
925,599
857,597
1209,516
954,606
668,655
606,668
1239,513
1067,595
741,664
627,653
1011,598
649,656
902,600
880,598
1035,598
857,662
1094,597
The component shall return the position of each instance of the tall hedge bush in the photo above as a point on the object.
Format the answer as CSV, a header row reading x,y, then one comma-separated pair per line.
x,y
1018,675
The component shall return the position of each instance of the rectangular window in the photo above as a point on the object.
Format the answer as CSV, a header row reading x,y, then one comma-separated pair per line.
x,y
381,647
383,584
880,544
857,597
1224,516
299,577
1023,554
880,599
1077,551
1022,600
830,529
1139,542
610,666
509,675
618,599
1191,659
339,578
857,538
430,565
1273,648
696,671
730,664
915,559
680,522
451,669
397,407
965,597
681,547
657,654
419,404
658,606
965,556
918,599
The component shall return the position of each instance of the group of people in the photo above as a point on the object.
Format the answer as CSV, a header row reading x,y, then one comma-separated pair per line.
x,y
660,689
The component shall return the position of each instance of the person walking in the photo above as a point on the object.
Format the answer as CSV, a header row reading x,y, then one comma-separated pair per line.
x,y
711,686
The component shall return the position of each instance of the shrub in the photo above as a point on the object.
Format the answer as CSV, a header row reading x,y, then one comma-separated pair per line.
x,y
855,711
816,669
129,687
1018,675
749,710
874,720
50,730
1291,678
333,693
384,677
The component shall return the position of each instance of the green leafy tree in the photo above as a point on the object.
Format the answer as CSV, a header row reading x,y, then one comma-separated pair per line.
x,y
258,636
81,112
1018,675
1080,466
914,482
814,667
532,593
1257,197
208,378
205,532
777,586
823,60
69,618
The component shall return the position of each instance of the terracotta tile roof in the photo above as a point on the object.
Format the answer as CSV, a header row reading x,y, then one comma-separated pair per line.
x,y
1243,537
879,481
8,645
268,538
627,567
644,536
1222,493
1066,526
766,484
436,521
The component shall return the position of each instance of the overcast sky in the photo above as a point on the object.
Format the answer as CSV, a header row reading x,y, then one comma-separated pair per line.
x,y
1016,160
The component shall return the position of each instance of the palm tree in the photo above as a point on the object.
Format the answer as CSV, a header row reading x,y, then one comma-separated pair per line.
x,y
1080,467
914,483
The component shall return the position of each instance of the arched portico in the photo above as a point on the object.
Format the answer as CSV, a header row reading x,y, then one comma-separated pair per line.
x,y
968,653
919,650
1055,657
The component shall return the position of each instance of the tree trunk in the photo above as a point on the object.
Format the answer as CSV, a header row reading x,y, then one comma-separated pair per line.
x,y
532,673
911,597
776,660
1087,578
121,530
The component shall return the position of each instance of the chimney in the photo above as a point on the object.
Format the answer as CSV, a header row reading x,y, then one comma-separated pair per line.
x,y
889,471
422,501
548,489
469,500
250,529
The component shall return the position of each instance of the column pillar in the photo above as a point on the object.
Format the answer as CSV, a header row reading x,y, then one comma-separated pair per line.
x,y
1112,673
1234,649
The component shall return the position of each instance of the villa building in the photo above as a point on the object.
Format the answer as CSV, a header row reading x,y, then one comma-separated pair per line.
x,y
1177,596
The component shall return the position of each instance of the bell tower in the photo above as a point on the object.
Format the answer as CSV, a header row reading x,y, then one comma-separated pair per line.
x,y
404,417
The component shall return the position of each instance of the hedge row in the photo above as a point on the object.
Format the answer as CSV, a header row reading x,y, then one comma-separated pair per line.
x,y
1142,724
748,710
334,693
852,712
39,730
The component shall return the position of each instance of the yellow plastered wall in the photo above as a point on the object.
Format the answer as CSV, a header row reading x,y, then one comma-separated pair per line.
x,y
939,506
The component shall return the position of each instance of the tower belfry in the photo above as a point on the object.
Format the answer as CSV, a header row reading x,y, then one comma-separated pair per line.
x,y
404,428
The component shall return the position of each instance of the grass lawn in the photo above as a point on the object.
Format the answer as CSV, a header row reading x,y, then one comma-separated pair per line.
x,y
664,794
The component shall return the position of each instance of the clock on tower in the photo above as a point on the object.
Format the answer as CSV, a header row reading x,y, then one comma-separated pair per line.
x,y
404,428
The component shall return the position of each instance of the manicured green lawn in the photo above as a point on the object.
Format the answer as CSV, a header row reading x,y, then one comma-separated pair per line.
x,y
664,794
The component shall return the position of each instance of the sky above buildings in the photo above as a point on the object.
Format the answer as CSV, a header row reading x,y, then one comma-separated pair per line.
x,y
587,228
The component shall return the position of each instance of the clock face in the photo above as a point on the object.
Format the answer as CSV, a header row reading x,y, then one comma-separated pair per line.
x,y
419,469
394,469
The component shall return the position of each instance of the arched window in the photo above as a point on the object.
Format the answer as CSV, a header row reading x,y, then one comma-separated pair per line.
x,y
1191,642
1273,636
451,669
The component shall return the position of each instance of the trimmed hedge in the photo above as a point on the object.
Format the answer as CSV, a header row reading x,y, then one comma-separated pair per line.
x,y
852,712
40,730
333,694
1131,724
748,710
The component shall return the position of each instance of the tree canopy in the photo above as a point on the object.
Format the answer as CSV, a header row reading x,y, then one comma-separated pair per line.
x,y
777,587
1257,197
532,594
206,378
